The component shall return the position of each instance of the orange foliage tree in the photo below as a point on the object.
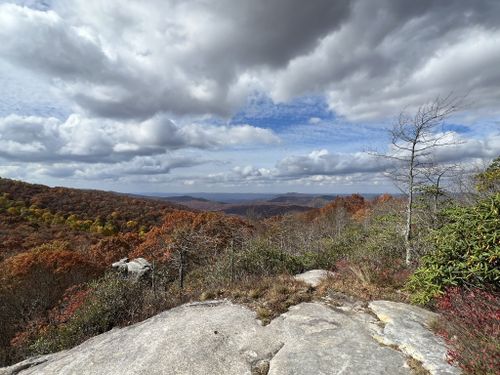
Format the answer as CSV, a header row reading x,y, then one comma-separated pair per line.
x,y
216,228
111,249
340,208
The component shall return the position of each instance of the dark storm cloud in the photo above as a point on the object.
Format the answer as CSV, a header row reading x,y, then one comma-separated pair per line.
x,y
391,54
370,58
273,32
142,63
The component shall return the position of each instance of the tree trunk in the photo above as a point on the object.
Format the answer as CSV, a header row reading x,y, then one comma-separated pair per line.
x,y
181,269
232,261
436,200
153,286
409,209
408,228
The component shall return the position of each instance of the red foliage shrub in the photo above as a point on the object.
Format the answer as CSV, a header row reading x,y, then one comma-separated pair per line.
x,y
21,340
382,199
34,281
351,204
394,273
470,325
73,298
55,258
355,205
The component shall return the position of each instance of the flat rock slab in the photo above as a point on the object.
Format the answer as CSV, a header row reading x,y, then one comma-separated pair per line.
x,y
406,327
202,338
321,340
313,277
218,337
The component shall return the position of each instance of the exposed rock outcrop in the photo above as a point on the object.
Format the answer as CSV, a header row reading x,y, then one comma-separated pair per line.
x,y
406,327
320,340
136,268
313,277
219,337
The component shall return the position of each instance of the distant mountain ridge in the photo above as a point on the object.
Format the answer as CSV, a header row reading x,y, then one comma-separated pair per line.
x,y
262,206
184,198
249,197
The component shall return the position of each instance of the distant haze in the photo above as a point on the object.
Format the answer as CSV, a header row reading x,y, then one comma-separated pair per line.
x,y
240,197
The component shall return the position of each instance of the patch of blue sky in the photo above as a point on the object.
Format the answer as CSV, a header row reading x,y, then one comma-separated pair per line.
x,y
471,126
307,122
260,110
457,128
484,128
337,136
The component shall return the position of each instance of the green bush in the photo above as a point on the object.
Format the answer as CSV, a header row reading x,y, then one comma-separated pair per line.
x,y
259,257
489,180
467,251
382,239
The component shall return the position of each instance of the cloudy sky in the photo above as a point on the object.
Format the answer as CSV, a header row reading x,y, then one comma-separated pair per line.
x,y
236,95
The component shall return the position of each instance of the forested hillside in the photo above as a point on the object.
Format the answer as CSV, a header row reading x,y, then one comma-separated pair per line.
x,y
34,214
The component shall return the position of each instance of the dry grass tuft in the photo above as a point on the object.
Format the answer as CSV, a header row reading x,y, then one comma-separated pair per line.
x,y
268,296
416,367
361,288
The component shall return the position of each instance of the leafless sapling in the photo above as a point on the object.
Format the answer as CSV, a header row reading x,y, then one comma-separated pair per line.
x,y
413,139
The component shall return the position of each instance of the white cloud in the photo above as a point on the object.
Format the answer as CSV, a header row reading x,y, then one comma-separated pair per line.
x,y
323,163
322,167
30,138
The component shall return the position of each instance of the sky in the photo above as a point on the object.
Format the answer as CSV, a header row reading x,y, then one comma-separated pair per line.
x,y
238,96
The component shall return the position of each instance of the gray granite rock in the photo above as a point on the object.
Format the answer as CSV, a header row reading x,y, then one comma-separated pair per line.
x,y
219,337
406,327
204,338
136,269
320,340
313,277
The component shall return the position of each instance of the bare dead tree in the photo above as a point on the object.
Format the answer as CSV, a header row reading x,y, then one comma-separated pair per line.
x,y
413,138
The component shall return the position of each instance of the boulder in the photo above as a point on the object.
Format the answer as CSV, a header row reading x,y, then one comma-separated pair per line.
x,y
203,338
136,268
313,277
